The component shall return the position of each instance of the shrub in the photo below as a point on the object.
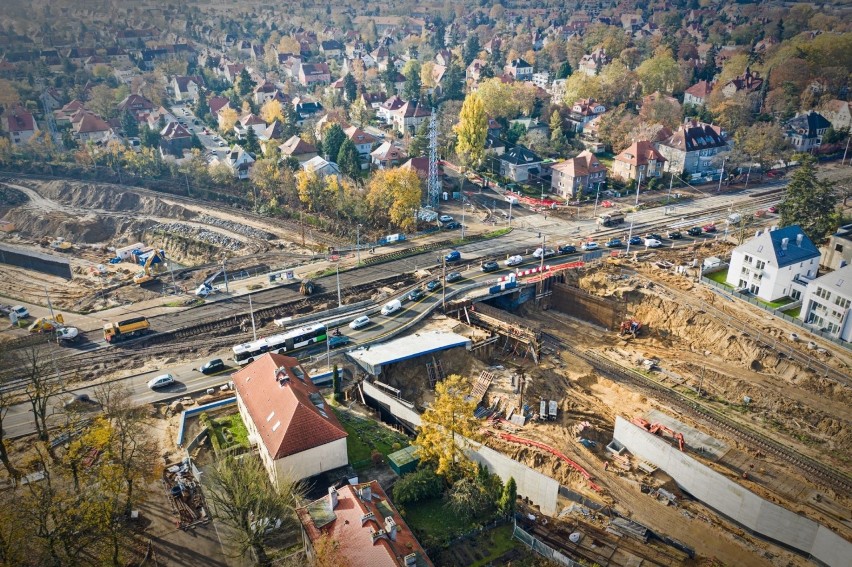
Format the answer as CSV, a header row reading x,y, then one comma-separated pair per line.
x,y
423,484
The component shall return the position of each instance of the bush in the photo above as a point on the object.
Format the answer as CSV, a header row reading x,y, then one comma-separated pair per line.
x,y
423,484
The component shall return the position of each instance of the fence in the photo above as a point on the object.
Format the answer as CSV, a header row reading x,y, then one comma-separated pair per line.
x,y
542,548
778,313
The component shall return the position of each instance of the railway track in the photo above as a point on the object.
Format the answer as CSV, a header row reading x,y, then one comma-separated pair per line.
x,y
818,472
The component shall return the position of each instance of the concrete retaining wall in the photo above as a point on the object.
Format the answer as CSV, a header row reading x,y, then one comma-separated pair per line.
x,y
734,501
399,409
32,260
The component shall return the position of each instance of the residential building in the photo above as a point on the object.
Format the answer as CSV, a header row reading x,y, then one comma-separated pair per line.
x,y
157,119
520,164
826,303
474,70
65,113
364,525
306,109
387,155
174,139
217,103
692,149
582,112
137,105
319,166
231,71
331,48
419,165
541,80
264,92
640,161
592,62
838,113
238,161
311,74
297,435
89,127
774,264
252,121
19,124
385,109
575,176
748,82
409,116
274,131
839,249
519,70
697,94
805,131
362,140
187,87
298,148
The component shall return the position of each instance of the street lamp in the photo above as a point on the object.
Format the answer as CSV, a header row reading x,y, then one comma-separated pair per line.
x,y
225,274
597,196
722,175
358,243
633,217
541,265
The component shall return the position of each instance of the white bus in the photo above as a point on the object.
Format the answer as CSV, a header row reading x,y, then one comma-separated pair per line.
x,y
281,343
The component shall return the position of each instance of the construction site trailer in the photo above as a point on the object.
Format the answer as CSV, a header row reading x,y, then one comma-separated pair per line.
x,y
126,252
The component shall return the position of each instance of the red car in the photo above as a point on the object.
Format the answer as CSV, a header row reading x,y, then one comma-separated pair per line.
x,y
709,228
772,209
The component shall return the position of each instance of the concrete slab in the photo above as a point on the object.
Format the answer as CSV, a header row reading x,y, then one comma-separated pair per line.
x,y
372,358
713,449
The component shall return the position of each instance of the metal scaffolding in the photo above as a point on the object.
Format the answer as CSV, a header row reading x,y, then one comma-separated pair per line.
x,y
434,181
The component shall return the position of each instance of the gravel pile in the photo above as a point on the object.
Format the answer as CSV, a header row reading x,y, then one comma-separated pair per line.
x,y
236,227
202,234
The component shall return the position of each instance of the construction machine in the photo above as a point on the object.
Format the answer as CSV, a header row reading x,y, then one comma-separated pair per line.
x,y
630,327
659,429
46,324
145,276
307,287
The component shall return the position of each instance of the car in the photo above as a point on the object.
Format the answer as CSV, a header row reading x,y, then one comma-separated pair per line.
x,y
546,252
416,294
338,340
212,366
613,243
652,243
674,234
21,311
452,225
586,246
360,322
161,381
514,260
635,240
445,218
709,228
490,266
567,249
433,285
653,235
220,143
453,277
79,401
694,231
772,209
453,256
391,306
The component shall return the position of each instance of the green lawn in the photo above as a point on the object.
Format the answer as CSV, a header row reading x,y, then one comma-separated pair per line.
x,y
795,312
718,277
232,426
366,435
606,159
777,303
433,523
498,541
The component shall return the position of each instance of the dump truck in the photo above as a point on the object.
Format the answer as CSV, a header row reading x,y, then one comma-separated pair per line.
x,y
612,218
127,329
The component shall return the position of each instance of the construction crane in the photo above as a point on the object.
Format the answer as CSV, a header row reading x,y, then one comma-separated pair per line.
x,y
145,276
659,429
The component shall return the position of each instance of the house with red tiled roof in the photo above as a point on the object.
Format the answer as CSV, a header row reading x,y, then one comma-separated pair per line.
x,y
88,126
385,110
749,82
298,148
419,165
697,94
640,161
19,125
217,103
387,155
365,526
252,121
577,174
409,116
314,74
362,140
174,139
187,87
297,434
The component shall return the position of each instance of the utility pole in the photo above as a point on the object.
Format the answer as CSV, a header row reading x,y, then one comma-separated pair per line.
x,y
722,175
251,312
225,274
541,267
337,269
597,196
669,196
633,217
846,150
186,178
49,306
358,243
510,213
444,282
748,175
302,224
463,211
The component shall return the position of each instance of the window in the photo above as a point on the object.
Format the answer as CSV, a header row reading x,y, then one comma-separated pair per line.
x,y
796,294
748,259
838,248
822,293
814,319
833,328
760,264
842,302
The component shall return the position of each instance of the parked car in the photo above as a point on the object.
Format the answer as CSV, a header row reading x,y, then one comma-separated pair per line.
x,y
613,243
652,243
445,218
212,366
161,381
433,285
416,294
221,144
709,228
81,401
490,266
514,260
391,307
547,252
653,235
360,322
694,231
453,256
453,277
586,246
567,249
452,225
21,311
635,240
674,234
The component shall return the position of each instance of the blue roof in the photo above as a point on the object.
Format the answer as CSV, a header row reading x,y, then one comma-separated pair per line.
x,y
794,253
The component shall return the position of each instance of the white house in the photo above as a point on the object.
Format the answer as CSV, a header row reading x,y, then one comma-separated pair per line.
x,y
19,125
320,166
187,87
297,435
826,304
774,264
362,140
409,116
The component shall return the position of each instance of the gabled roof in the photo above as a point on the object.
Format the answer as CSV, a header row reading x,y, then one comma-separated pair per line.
x,y
519,155
273,132
387,152
284,405
311,69
808,124
173,131
393,103
583,164
19,119
701,89
419,165
89,123
640,153
412,109
318,164
518,63
358,136
693,136
251,120
217,103
295,146
135,102
770,247
184,80
330,45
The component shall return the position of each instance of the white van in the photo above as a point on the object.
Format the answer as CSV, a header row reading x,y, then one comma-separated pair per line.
x,y
391,307
734,218
511,199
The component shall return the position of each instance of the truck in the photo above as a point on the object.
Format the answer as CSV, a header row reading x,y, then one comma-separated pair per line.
x,y
551,409
127,329
612,218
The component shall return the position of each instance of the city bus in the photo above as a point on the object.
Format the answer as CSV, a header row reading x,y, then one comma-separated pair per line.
x,y
282,343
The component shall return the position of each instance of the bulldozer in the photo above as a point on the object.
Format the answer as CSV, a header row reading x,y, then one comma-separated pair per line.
x,y
630,327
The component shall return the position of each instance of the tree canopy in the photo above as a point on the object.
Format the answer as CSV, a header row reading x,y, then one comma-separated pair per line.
x,y
810,202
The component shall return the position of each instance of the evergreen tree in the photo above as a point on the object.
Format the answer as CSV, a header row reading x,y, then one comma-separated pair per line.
x,y
245,83
335,382
332,140
196,142
202,109
810,202
129,124
251,144
348,159
149,138
471,49
389,76
350,88
454,82
564,70
411,90
419,146
509,497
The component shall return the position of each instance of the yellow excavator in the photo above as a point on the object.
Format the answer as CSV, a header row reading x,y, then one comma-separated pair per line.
x,y
46,324
145,276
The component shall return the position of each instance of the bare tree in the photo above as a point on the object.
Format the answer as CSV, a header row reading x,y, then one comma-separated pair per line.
x,y
5,404
41,386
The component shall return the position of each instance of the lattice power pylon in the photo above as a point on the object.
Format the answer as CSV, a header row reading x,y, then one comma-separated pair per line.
x,y
434,181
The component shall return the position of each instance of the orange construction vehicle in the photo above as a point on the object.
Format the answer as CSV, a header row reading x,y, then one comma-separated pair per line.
x,y
659,429
630,327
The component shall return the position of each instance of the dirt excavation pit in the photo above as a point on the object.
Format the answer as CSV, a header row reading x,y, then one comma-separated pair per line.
x,y
96,219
